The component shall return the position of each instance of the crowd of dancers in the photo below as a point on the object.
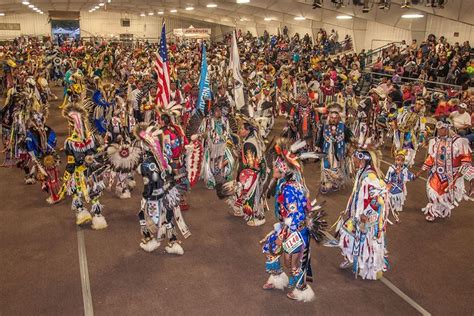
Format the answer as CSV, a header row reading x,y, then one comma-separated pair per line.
x,y
215,122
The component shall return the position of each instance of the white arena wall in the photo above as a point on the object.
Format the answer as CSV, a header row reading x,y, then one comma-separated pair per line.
x,y
106,24
367,34
30,24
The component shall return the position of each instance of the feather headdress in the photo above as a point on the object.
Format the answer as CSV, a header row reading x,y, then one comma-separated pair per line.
x,y
152,137
76,115
172,109
286,155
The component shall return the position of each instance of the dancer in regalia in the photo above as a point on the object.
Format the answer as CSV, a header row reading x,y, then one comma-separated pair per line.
x,y
219,158
74,87
41,146
248,200
409,130
447,155
176,141
396,178
80,180
304,120
119,139
333,141
102,105
13,118
366,127
159,210
362,227
290,238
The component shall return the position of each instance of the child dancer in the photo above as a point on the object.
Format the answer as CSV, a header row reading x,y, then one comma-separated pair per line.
x,y
396,178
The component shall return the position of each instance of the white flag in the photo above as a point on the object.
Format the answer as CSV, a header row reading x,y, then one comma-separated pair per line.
x,y
238,80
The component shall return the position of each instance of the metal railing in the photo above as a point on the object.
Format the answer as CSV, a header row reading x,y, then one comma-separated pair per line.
x,y
430,85
372,55
343,47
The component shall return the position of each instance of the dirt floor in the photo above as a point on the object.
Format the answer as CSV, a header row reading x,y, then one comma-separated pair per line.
x,y
222,270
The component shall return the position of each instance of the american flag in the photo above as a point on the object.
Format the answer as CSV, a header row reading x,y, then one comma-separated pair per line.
x,y
162,69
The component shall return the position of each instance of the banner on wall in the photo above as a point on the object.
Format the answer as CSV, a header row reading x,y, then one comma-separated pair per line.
x,y
192,32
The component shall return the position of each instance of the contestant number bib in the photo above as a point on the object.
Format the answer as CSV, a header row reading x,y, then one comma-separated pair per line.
x,y
292,242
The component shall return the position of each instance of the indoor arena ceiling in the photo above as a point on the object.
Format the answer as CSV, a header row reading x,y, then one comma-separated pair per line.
x,y
228,12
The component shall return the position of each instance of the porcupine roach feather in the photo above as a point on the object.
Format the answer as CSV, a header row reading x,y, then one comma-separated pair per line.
x,y
150,135
78,108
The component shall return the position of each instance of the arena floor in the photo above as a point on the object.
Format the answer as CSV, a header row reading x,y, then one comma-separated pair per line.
x,y
222,270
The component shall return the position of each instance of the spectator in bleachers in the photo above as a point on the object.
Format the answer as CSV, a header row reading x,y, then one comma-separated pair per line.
x,y
462,77
354,74
362,57
403,48
385,85
442,70
378,66
414,45
461,120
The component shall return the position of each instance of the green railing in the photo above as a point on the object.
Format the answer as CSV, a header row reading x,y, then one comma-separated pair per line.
x,y
433,86
373,54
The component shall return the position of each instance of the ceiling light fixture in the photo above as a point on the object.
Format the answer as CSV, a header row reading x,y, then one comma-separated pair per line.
x,y
344,17
142,14
173,10
161,12
31,6
299,18
25,3
243,1
41,12
101,4
412,16
96,7
267,19
2,14
211,5
189,8
150,13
